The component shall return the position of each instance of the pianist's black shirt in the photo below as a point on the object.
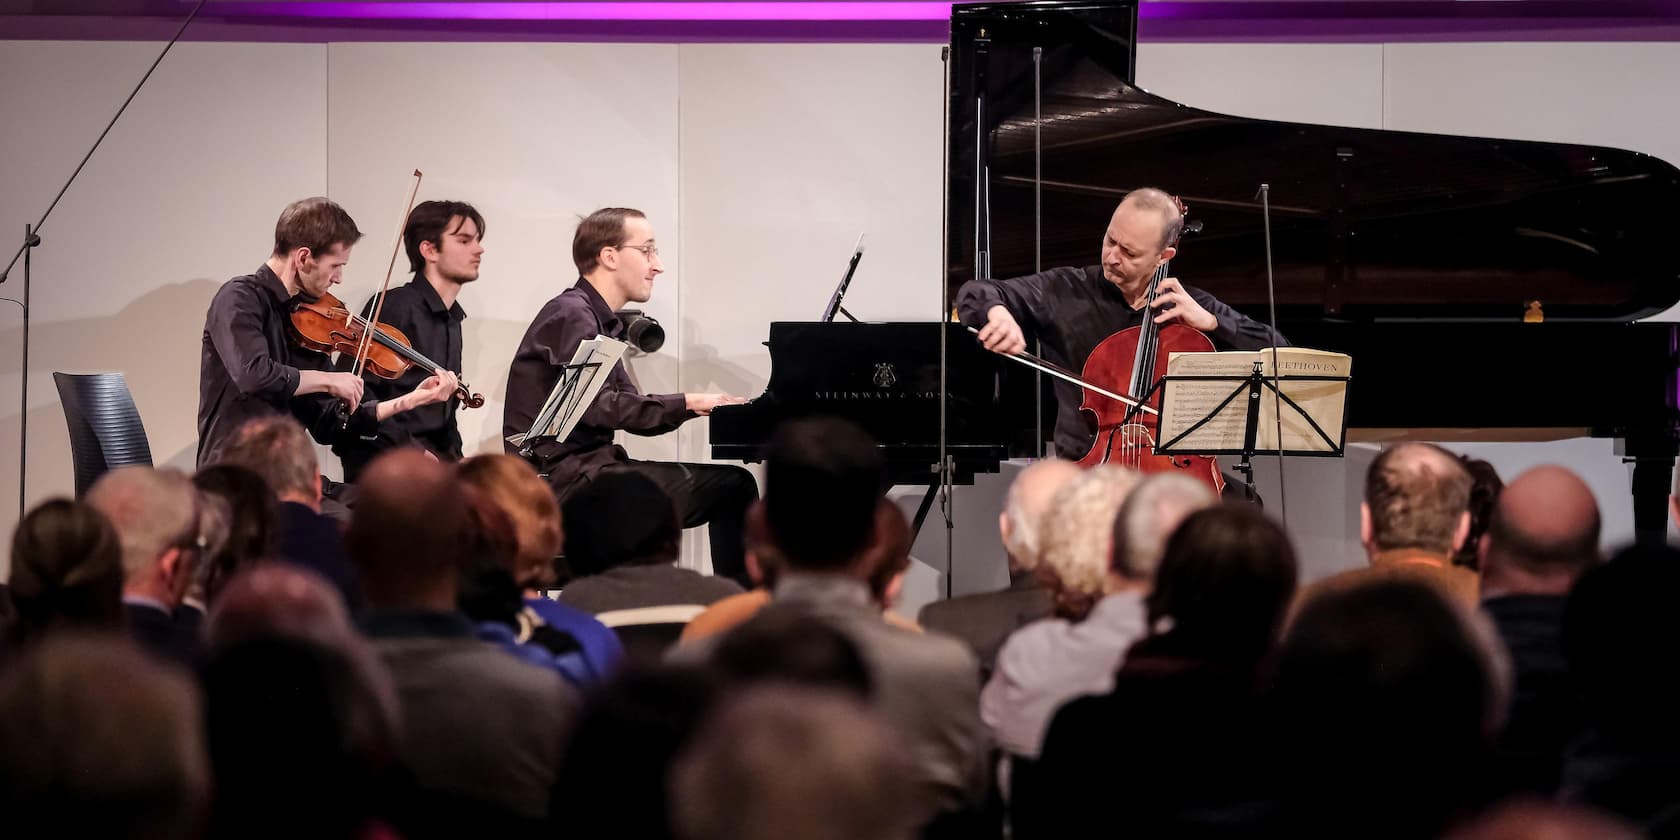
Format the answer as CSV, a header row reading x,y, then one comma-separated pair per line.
x,y
248,368
1071,310
570,318
433,330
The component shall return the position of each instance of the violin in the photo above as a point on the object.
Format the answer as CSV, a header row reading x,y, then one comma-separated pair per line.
x,y
326,326
1126,430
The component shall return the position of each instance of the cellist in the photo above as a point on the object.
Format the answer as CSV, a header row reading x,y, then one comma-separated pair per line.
x,y
1070,310
247,366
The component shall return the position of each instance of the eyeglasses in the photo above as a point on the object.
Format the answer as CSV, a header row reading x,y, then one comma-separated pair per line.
x,y
648,250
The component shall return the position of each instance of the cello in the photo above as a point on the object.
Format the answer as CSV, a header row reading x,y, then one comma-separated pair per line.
x,y
1137,356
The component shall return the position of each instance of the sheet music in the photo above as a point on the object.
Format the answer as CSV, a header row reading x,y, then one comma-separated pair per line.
x,y
579,383
1185,402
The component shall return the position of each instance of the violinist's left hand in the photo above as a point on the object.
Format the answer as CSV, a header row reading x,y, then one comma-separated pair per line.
x,y
1183,307
438,387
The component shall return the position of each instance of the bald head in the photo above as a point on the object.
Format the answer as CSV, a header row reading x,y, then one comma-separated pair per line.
x,y
1543,533
1417,496
409,531
151,509
1023,513
279,600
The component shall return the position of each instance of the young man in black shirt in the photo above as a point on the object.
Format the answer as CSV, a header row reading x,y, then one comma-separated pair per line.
x,y
1071,310
248,367
445,243
617,260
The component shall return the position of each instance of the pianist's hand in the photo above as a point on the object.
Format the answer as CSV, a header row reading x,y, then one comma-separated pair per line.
x,y
1001,334
702,404
1184,308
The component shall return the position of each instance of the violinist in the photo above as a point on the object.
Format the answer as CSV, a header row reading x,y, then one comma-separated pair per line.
x,y
1071,310
444,241
247,366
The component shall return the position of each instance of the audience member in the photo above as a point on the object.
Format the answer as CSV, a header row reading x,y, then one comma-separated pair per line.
x,y
253,522
1527,819
1619,629
156,516
67,573
615,777
985,619
789,647
622,543
1414,518
278,449
1485,486
823,490
1099,610
482,733
889,562
784,762
514,486
1387,696
302,740
98,740
1177,735
1542,535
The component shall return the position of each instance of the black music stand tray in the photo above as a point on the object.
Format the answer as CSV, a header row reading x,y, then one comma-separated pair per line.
x,y
1253,384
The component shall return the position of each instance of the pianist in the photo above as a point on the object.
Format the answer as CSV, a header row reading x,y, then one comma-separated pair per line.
x,y
617,260
1071,310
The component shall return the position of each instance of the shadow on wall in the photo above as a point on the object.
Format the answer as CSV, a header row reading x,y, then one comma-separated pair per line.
x,y
154,341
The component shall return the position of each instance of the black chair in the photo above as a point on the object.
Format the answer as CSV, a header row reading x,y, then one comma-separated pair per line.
x,y
105,428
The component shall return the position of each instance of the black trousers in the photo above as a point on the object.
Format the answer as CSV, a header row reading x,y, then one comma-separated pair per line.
x,y
715,495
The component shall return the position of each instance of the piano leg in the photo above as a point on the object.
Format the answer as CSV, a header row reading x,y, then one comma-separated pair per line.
x,y
1653,473
927,505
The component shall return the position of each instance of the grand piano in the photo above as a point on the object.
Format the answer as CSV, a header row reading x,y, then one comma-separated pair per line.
x,y
1486,289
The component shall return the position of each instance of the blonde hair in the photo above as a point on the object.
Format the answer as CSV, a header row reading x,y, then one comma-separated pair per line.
x,y
1077,534
512,485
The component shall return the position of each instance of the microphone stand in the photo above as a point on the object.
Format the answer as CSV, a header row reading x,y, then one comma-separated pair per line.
x,y
32,240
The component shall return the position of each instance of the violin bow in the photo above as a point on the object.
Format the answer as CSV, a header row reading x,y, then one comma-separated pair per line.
x,y
365,346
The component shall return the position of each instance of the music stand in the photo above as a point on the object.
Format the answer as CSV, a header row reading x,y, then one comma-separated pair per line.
x,y
1254,384
579,383
834,306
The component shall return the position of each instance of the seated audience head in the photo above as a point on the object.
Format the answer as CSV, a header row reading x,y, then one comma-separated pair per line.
x,y
1485,486
620,518
279,600
278,449
1619,627
289,723
1543,534
1224,583
621,749
764,560
1074,563
780,762
1149,516
67,571
824,478
889,554
514,486
1532,819
97,740
1417,500
789,646
1021,523
1387,691
409,532
253,521
155,512
489,590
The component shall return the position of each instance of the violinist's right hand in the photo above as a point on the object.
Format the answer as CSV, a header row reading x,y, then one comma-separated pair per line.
x,y
1001,333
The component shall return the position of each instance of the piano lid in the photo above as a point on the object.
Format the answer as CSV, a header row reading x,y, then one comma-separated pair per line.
x,y
1366,224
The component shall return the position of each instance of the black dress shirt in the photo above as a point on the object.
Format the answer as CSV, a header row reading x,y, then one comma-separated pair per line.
x,y
569,319
248,369
434,331
1071,310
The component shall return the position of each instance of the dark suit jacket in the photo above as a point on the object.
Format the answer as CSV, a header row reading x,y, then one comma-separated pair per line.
x,y
161,634
984,620
316,542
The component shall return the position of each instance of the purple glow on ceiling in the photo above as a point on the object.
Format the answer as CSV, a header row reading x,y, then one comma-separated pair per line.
x,y
673,11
